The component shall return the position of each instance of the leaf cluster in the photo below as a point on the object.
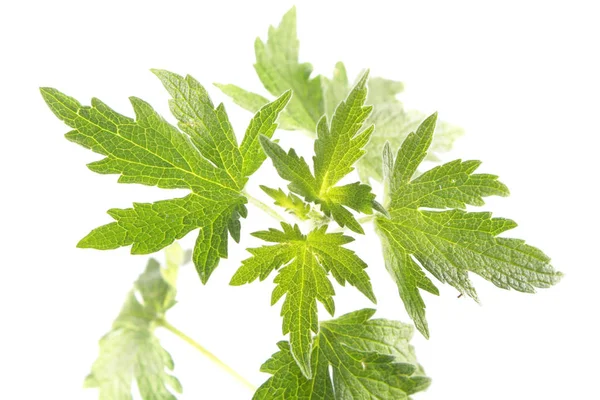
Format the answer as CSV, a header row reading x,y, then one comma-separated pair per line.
x,y
426,231
278,68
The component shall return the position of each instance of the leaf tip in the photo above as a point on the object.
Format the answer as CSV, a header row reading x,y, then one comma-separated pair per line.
x,y
265,141
86,242
432,119
44,90
49,95
371,296
291,13
203,276
285,97
363,79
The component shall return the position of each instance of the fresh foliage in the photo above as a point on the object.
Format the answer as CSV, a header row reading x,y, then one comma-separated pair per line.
x,y
306,261
452,242
424,225
337,148
369,359
203,157
292,203
131,351
391,120
278,69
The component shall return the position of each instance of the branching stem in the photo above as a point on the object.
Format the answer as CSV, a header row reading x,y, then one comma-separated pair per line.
x,y
206,353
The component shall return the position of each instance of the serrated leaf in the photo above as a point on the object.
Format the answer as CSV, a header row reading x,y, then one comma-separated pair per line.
x,y
304,262
368,358
204,159
430,229
336,89
393,124
278,68
337,147
131,351
391,120
254,102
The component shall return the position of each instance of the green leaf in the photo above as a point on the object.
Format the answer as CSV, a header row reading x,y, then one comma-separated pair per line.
x,y
204,159
337,147
391,120
131,351
369,359
393,124
278,68
304,262
336,89
254,102
340,145
429,228
292,203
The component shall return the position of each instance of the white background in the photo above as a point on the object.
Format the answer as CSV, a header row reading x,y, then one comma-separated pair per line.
x,y
521,77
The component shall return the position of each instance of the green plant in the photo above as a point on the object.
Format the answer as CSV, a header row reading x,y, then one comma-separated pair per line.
x,y
422,222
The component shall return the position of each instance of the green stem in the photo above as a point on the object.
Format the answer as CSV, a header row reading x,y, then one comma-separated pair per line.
x,y
206,353
253,200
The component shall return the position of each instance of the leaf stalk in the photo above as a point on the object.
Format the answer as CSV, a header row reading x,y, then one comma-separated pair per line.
x,y
264,207
165,324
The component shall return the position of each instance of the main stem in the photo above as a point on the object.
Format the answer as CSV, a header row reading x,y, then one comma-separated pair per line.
x,y
207,354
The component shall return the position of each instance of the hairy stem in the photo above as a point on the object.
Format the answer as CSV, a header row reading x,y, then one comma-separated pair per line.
x,y
264,207
206,353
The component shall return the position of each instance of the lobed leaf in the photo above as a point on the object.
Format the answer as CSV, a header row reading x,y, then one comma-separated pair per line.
x,y
429,228
203,157
278,68
303,263
368,359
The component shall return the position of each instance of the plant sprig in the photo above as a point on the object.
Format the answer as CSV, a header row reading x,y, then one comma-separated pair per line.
x,y
424,227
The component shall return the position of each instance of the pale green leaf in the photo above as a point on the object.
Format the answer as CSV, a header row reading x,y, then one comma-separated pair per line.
x,y
254,102
278,68
393,124
391,120
130,351
336,89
